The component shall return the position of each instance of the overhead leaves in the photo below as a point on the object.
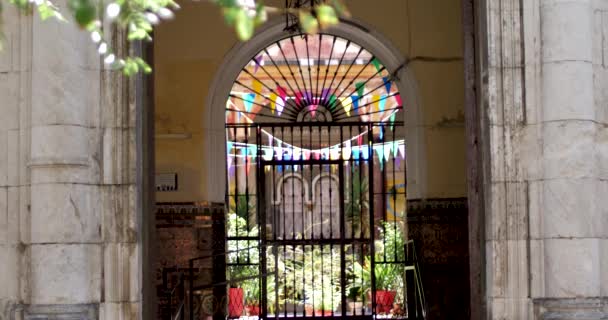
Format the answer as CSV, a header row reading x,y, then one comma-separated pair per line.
x,y
84,11
139,16
326,15
308,22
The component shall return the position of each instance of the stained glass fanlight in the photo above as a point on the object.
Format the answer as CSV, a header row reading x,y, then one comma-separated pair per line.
x,y
317,78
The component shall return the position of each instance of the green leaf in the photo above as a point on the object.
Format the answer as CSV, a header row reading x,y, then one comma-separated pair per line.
x,y
326,15
230,15
341,9
260,14
244,25
308,23
137,34
84,13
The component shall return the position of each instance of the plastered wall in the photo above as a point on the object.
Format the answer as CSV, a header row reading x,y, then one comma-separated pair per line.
x,y
189,50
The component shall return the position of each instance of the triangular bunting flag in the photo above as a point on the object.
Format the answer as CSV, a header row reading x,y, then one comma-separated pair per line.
x,y
335,153
380,152
376,102
258,61
387,85
306,154
346,151
355,102
280,105
381,103
282,93
324,96
346,104
360,88
253,151
273,102
267,154
257,86
376,64
365,152
332,101
402,150
387,151
308,97
248,99
398,99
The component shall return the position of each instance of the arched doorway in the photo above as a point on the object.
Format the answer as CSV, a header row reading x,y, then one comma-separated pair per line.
x,y
213,131
316,184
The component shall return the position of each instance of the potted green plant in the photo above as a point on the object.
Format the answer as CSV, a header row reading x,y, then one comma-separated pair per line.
x,y
325,300
388,271
241,251
252,296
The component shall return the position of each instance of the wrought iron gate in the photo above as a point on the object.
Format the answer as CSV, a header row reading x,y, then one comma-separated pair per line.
x,y
316,186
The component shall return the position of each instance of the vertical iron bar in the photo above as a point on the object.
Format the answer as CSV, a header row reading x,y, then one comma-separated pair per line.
x,y
381,141
219,261
191,293
411,289
331,53
342,228
370,159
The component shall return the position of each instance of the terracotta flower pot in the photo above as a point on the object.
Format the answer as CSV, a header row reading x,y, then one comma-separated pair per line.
x,y
308,310
253,310
235,302
323,313
384,300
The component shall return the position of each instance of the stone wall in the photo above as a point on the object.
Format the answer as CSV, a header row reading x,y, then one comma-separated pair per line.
x,y
68,227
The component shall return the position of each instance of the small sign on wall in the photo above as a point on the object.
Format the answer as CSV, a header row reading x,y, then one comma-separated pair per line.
x,y
166,182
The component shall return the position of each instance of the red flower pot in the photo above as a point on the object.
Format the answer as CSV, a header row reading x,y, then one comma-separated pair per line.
x,y
384,300
253,310
235,302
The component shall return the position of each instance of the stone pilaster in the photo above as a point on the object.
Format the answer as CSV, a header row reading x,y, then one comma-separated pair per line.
x,y
546,223
68,223
14,191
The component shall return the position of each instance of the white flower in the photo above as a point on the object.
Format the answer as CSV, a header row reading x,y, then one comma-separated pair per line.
x,y
152,18
95,36
165,13
113,10
109,59
103,48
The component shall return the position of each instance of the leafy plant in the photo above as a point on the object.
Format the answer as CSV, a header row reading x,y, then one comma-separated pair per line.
x,y
137,18
357,208
388,276
243,252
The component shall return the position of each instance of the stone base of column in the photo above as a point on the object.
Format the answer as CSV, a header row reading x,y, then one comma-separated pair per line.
x,y
56,312
571,309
